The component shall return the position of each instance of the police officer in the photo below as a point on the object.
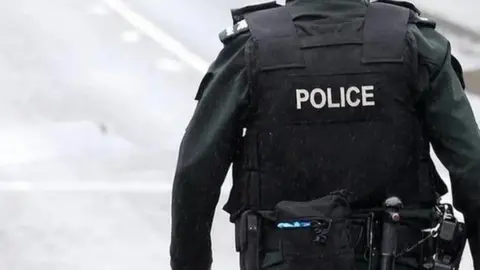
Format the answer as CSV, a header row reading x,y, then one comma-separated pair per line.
x,y
321,95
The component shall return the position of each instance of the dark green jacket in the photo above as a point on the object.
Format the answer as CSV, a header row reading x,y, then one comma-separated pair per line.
x,y
210,140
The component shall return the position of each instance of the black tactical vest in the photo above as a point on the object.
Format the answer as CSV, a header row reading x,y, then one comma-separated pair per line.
x,y
332,111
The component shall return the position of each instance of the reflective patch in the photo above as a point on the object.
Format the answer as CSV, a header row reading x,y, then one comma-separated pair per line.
x,y
229,31
423,21
362,96
241,25
232,31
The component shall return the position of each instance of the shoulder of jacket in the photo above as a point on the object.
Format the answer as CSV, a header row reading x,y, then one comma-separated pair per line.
x,y
416,16
231,32
240,25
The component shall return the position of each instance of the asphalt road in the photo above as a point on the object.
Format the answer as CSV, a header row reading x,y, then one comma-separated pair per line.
x,y
96,95
92,114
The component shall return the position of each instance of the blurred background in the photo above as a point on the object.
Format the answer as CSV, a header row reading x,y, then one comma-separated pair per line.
x,y
95,98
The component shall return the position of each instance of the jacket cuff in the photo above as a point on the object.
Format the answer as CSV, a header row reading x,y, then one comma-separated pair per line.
x,y
190,265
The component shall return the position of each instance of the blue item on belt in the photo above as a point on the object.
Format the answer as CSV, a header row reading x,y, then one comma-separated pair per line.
x,y
294,224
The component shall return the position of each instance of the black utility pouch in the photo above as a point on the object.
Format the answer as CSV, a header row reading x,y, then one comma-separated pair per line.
x,y
315,234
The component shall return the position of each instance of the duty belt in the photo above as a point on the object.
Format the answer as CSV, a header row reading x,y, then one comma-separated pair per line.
x,y
258,238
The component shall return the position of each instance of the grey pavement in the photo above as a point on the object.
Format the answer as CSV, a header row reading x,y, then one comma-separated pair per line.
x,y
92,115
88,104
196,23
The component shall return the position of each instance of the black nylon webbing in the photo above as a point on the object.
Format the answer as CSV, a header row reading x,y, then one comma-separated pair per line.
x,y
254,185
276,36
385,33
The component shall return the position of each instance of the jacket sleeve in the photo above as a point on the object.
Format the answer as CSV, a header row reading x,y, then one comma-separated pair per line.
x,y
452,128
205,155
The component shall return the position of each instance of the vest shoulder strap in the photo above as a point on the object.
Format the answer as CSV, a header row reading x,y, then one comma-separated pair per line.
x,y
239,13
276,36
385,33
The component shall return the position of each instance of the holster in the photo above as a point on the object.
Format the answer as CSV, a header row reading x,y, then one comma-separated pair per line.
x,y
451,242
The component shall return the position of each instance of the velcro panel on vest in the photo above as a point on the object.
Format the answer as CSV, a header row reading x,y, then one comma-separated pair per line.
x,y
276,36
385,33
329,39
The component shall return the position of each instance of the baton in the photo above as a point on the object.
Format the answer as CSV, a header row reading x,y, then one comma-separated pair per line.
x,y
388,248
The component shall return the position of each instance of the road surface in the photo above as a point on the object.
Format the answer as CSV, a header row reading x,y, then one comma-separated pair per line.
x,y
96,95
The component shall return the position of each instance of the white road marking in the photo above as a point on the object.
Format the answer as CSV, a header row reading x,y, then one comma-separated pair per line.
x,y
95,186
87,186
130,36
169,65
159,36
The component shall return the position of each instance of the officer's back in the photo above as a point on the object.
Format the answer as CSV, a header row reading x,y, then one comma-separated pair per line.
x,y
333,108
333,94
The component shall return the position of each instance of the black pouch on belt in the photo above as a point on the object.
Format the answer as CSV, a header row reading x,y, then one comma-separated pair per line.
x,y
314,235
247,242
